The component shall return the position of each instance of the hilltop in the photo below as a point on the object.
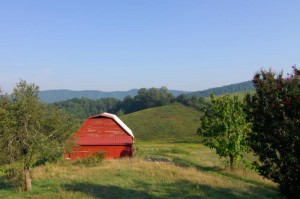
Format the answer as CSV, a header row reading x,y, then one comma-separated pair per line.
x,y
174,122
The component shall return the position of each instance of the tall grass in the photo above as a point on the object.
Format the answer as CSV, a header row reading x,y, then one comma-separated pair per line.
x,y
193,171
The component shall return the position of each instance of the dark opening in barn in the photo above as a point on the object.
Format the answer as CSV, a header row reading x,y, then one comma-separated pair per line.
x,y
103,132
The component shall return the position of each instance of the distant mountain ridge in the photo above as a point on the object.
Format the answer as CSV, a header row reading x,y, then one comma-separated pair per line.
x,y
232,88
50,96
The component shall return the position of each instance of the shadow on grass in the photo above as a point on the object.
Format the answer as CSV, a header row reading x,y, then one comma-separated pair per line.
x,y
180,189
261,186
6,184
181,162
106,191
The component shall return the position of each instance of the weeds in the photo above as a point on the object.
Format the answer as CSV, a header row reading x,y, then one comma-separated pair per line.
x,y
92,160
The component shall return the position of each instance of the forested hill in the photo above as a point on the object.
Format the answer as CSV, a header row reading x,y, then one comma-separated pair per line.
x,y
232,88
50,96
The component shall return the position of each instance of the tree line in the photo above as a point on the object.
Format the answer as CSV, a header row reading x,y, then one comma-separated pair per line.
x,y
145,98
233,88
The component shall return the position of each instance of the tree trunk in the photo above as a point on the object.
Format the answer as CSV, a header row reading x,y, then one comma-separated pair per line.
x,y
28,186
231,162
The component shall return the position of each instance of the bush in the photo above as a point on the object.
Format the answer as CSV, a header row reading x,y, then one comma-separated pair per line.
x,y
274,112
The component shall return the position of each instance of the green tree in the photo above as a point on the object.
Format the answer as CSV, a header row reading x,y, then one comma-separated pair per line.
x,y
33,131
193,101
275,113
5,130
224,127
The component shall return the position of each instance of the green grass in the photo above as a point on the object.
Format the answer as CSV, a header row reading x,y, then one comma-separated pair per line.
x,y
241,95
169,162
174,122
158,170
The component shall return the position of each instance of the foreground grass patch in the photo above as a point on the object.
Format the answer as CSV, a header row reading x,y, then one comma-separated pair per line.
x,y
193,171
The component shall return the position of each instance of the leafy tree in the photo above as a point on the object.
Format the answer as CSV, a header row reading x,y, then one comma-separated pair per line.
x,y
5,123
193,101
32,131
275,113
224,127
149,98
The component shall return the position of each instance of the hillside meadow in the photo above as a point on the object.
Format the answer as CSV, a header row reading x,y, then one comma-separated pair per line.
x,y
174,122
158,170
169,162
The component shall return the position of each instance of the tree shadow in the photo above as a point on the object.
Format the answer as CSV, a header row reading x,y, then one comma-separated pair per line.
x,y
6,184
261,186
181,162
182,189
106,191
185,189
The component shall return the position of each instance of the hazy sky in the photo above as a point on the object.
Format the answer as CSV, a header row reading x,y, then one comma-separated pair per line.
x,y
119,45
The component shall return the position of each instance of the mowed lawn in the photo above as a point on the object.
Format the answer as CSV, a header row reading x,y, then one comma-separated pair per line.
x,y
158,170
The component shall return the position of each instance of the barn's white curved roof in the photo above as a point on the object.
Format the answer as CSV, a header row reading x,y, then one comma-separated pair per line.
x,y
116,119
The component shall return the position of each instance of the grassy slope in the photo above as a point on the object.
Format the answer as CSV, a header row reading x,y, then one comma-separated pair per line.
x,y
160,169
241,95
190,171
174,122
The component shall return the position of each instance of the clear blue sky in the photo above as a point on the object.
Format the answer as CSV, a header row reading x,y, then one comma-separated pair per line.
x,y
119,45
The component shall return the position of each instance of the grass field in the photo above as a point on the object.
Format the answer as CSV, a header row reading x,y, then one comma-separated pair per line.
x,y
158,170
174,122
169,162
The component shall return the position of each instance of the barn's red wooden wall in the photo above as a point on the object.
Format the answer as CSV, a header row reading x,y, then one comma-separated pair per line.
x,y
102,131
102,134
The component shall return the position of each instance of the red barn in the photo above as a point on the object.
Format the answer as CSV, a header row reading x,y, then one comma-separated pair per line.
x,y
103,132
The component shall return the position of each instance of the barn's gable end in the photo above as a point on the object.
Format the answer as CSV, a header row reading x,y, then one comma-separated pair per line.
x,y
104,129
117,120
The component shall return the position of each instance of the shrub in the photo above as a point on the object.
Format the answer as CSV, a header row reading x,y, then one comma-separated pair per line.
x,y
274,112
